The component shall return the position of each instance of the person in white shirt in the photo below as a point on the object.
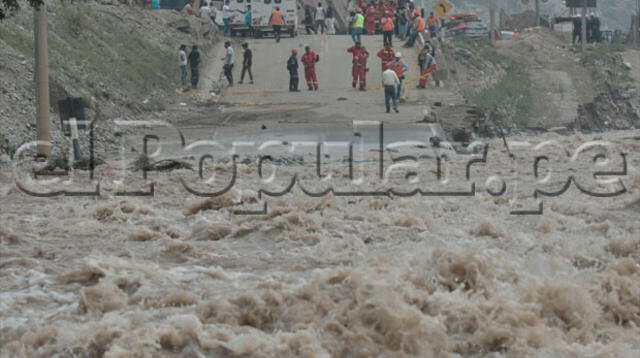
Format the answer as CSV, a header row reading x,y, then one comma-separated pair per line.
x,y
226,18
205,12
390,81
182,61
229,59
320,17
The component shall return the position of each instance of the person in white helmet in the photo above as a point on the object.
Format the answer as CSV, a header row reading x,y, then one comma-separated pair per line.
x,y
400,68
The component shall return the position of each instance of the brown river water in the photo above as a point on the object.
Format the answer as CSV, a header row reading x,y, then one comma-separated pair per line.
x,y
176,275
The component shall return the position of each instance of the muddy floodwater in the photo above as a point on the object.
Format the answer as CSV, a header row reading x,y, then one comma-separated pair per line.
x,y
379,275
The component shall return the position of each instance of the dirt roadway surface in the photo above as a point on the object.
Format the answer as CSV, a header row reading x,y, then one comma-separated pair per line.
x,y
336,101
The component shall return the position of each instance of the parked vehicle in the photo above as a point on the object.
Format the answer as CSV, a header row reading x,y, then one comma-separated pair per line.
x,y
261,11
508,35
461,18
473,29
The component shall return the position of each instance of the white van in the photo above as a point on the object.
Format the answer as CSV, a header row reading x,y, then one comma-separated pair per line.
x,y
262,10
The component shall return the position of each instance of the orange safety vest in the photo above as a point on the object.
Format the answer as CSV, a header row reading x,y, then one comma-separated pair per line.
x,y
388,25
420,24
398,68
276,18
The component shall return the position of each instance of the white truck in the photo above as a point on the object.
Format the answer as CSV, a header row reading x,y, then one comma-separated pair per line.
x,y
261,10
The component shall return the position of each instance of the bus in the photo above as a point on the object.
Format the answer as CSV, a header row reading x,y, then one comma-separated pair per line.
x,y
262,10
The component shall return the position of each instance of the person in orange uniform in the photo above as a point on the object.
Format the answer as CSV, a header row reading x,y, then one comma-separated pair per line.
x,y
276,20
371,20
432,23
387,29
400,68
386,55
309,60
359,67
418,27
428,66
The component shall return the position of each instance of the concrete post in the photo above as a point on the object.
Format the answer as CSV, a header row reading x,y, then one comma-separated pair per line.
x,y
42,81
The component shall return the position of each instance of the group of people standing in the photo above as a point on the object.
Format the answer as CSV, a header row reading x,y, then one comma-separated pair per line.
x,y
593,29
393,70
406,24
192,61
319,19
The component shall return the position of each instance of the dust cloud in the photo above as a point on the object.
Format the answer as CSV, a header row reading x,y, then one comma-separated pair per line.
x,y
178,276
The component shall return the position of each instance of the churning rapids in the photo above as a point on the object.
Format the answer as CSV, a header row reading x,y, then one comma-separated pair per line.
x,y
180,276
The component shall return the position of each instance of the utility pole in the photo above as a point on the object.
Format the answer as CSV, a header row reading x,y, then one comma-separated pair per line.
x,y
492,21
584,26
538,12
636,27
42,81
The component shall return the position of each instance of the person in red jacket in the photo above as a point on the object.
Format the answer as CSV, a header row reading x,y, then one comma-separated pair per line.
x,y
309,60
359,68
386,56
371,20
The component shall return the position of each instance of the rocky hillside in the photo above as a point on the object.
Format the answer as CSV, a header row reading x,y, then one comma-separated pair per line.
x,y
538,82
121,60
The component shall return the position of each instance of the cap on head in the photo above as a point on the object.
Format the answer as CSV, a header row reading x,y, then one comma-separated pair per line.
x,y
358,10
398,54
294,51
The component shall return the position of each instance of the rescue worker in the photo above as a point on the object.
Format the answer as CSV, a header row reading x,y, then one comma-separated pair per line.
x,y
309,60
432,22
427,68
292,67
418,27
386,55
194,63
400,68
359,67
387,29
357,26
370,21
276,20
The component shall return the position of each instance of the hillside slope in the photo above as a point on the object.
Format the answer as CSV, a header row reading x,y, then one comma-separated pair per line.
x,y
121,60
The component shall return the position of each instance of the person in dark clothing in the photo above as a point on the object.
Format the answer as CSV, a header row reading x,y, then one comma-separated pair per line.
x,y
194,64
292,67
308,19
247,58
593,28
577,29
